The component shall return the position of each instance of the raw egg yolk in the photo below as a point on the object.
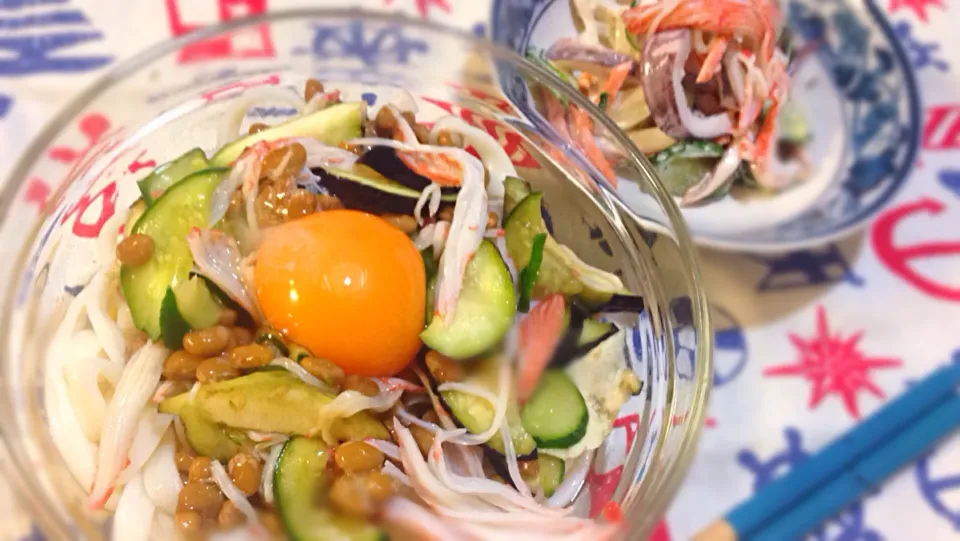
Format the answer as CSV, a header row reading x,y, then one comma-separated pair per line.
x,y
346,285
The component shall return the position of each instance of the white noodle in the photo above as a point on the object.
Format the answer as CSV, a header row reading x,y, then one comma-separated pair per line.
x,y
349,403
408,135
291,366
134,515
492,156
269,467
499,404
161,480
150,430
388,448
575,475
425,196
230,490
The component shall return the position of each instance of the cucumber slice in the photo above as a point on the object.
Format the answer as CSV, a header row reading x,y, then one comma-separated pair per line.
x,y
153,185
168,221
274,340
197,304
684,164
556,415
551,472
331,126
485,309
515,190
593,332
561,271
134,213
476,414
300,484
172,324
298,353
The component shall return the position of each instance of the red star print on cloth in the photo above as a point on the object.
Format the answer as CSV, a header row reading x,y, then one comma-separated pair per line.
x,y
919,7
423,6
835,365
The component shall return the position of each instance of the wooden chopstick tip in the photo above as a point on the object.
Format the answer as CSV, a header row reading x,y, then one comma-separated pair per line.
x,y
719,530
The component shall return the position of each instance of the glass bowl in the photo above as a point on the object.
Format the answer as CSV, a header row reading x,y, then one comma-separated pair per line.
x,y
82,172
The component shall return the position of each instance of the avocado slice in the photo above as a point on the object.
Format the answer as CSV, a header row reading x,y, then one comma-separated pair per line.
x,y
331,126
364,189
204,436
561,271
484,312
475,414
300,484
163,176
182,207
277,401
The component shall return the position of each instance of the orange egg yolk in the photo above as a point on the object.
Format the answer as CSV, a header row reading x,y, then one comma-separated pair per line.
x,y
346,285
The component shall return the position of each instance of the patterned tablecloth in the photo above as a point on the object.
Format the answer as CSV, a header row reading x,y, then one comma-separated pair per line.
x,y
807,342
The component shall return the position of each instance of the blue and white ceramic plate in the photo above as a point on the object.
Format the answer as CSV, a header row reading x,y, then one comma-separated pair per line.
x,y
857,93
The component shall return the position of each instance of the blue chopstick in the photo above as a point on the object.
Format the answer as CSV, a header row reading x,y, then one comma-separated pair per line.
x,y
784,493
846,489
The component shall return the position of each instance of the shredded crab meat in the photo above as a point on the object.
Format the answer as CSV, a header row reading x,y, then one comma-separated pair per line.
x,y
485,509
217,257
137,383
466,233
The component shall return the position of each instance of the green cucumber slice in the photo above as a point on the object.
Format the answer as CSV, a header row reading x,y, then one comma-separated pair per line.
x,y
300,484
298,352
550,474
172,324
515,190
476,414
182,207
685,163
485,309
197,304
594,331
163,176
134,213
274,340
556,415
331,126
561,271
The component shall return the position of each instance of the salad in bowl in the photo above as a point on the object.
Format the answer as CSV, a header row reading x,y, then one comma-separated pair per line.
x,y
343,326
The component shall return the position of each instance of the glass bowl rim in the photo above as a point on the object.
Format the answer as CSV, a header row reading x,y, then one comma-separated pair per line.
x,y
147,56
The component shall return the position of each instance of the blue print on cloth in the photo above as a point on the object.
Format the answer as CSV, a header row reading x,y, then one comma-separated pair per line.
x,y
806,268
848,526
730,348
5,103
384,44
922,55
45,49
950,178
940,491
34,535
43,19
